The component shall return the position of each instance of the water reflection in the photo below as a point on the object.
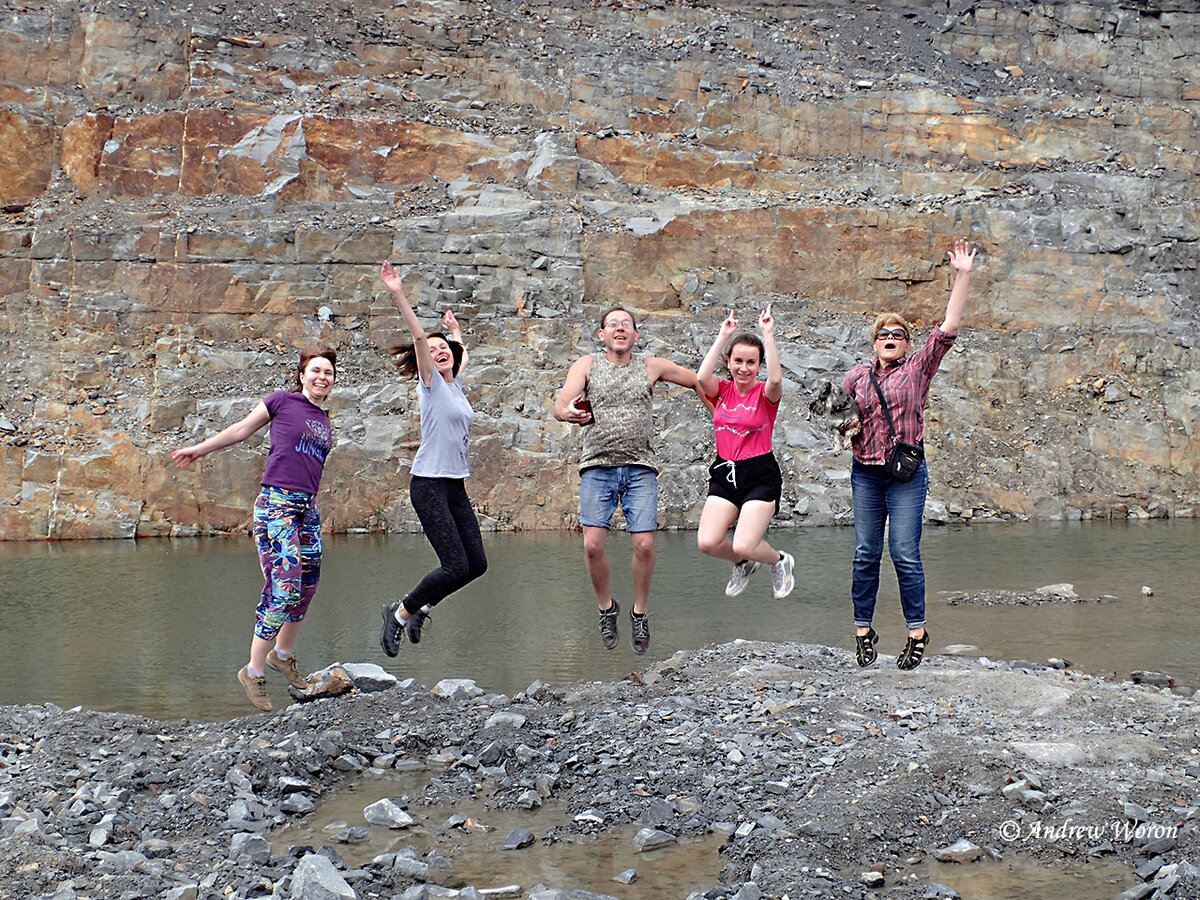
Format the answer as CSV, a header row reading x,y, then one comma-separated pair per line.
x,y
159,627
1019,879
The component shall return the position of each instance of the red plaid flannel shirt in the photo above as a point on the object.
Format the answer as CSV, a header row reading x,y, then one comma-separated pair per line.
x,y
906,387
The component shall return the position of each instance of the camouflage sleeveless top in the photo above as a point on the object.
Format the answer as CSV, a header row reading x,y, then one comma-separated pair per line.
x,y
624,417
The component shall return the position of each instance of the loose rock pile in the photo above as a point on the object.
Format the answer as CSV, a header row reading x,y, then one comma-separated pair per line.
x,y
828,780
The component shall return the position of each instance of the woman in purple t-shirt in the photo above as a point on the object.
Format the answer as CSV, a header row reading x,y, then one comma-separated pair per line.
x,y
287,526
745,484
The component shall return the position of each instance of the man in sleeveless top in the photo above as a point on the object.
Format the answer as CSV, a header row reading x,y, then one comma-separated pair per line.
x,y
612,393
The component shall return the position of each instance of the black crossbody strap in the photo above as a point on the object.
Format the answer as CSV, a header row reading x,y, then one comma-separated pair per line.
x,y
887,412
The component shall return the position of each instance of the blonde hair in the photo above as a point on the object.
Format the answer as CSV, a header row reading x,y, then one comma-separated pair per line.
x,y
889,320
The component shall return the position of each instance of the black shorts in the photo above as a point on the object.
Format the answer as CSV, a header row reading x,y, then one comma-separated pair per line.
x,y
756,478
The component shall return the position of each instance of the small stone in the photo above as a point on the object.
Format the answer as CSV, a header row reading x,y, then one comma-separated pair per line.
x,y
652,839
505,719
1154,679
316,877
387,813
457,689
629,876
297,804
518,838
961,851
369,677
253,846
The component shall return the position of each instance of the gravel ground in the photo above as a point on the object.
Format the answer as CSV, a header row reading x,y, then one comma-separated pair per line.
x,y
827,780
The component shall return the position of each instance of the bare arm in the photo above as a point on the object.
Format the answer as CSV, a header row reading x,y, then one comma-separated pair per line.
x,y
234,434
565,407
706,375
659,369
452,328
774,387
961,259
425,367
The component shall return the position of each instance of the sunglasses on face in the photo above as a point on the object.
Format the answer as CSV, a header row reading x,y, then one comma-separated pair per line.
x,y
891,334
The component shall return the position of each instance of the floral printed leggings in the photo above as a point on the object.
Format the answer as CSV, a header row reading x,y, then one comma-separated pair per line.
x,y
287,529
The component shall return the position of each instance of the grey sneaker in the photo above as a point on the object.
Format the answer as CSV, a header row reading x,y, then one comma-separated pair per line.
x,y
608,625
415,623
256,688
390,633
740,576
781,575
288,669
639,637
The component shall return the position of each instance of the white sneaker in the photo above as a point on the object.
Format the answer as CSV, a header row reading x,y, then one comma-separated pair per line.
x,y
741,577
781,572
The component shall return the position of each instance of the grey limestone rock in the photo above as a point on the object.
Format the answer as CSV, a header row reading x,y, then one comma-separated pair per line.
x,y
316,878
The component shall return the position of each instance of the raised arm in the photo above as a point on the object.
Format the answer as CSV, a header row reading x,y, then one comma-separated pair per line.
x,y
962,257
424,358
450,324
774,387
706,375
234,434
566,407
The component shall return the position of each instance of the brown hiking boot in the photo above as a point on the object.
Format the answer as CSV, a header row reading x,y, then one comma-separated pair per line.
x,y
288,669
256,689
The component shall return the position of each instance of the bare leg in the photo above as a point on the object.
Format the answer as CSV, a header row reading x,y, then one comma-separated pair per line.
x,y
285,641
749,538
259,648
643,569
715,521
595,557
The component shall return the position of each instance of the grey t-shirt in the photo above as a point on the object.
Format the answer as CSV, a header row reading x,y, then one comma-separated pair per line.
x,y
446,416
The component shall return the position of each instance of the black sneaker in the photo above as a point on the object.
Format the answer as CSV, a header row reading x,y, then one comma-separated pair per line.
x,y
608,625
415,622
639,637
389,635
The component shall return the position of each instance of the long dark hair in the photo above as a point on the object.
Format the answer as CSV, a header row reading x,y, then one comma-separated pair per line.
x,y
406,354
306,356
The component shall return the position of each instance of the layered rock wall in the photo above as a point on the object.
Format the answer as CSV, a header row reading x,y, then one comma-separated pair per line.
x,y
191,196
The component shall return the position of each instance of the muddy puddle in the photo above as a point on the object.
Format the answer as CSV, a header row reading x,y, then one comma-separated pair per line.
x,y
471,836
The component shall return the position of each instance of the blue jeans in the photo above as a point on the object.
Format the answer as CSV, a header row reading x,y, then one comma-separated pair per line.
x,y
878,499
601,488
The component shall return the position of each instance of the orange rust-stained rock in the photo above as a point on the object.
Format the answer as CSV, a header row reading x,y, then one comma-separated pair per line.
x,y
27,153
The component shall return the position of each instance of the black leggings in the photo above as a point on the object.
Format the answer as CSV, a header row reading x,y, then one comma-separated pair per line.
x,y
453,531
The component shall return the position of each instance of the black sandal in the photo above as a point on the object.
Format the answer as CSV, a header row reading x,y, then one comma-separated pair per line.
x,y
864,647
914,651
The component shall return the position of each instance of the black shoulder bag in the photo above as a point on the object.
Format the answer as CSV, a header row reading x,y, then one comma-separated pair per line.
x,y
904,459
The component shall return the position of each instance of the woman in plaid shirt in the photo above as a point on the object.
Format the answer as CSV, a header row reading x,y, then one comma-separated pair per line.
x,y
904,379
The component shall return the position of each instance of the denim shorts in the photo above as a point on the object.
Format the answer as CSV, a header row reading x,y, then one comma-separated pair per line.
x,y
635,488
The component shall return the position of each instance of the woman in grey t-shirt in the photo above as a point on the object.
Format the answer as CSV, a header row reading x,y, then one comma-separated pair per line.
x,y
439,469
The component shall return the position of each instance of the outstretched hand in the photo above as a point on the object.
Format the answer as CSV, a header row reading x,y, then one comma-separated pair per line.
x,y
766,322
391,278
451,324
185,456
962,256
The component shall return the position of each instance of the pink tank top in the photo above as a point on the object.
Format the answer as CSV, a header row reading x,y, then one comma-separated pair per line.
x,y
743,425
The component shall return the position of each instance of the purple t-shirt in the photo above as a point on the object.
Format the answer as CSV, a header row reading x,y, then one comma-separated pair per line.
x,y
300,440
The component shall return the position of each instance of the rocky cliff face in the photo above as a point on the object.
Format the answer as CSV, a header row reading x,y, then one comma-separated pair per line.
x,y
191,192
